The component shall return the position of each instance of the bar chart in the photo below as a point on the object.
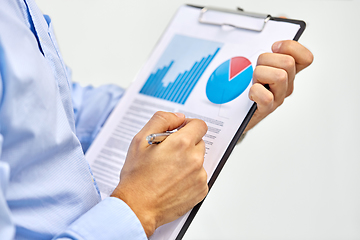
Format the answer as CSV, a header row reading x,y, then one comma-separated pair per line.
x,y
180,68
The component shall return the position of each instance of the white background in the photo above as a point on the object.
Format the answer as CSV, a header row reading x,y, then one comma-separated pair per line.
x,y
297,174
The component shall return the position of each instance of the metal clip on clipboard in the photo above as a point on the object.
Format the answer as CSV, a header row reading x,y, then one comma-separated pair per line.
x,y
233,18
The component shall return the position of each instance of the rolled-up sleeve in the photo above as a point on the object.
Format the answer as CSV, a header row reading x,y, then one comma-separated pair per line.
x,y
92,106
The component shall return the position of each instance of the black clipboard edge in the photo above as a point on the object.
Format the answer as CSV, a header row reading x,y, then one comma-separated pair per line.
x,y
301,23
238,133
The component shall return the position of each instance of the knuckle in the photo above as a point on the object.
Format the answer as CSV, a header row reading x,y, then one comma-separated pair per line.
x,y
200,124
268,99
198,161
289,62
281,76
137,139
203,126
260,59
184,142
203,177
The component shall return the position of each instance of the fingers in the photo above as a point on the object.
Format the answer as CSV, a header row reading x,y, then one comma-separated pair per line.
x,y
302,56
276,70
282,70
193,132
160,122
263,97
277,80
163,121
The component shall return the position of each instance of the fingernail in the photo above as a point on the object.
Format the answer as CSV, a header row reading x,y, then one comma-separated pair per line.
x,y
180,115
276,46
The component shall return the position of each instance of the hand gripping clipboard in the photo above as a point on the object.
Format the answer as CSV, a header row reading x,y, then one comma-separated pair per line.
x,y
198,46
219,18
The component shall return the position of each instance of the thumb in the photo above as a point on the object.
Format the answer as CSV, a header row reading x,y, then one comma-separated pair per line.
x,y
276,46
162,122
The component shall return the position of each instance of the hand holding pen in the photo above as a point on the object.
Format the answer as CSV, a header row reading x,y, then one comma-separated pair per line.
x,y
157,138
170,175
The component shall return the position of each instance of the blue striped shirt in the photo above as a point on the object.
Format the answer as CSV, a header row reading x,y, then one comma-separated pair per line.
x,y
47,190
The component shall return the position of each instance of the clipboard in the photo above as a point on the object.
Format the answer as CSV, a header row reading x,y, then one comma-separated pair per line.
x,y
264,18
213,34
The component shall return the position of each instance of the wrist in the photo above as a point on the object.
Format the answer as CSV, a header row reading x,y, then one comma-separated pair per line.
x,y
146,219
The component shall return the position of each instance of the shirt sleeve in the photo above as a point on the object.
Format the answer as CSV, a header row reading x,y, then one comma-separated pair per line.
x,y
110,219
92,106
7,228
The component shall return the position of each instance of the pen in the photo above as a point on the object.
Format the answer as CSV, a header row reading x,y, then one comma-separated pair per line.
x,y
157,138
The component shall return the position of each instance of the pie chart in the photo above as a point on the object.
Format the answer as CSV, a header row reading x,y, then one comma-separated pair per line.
x,y
229,80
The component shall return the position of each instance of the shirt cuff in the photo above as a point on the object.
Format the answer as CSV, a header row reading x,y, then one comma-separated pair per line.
x,y
110,219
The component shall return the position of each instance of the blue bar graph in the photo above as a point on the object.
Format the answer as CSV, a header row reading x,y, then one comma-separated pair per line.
x,y
180,68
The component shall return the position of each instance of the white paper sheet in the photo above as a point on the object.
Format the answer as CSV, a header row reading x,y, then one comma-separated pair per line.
x,y
190,52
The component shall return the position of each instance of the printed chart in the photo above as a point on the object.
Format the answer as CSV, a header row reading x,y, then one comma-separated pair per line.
x,y
180,68
229,80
